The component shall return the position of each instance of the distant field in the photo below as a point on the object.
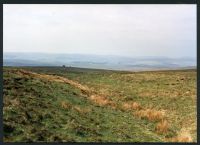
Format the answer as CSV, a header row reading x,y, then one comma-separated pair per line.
x,y
89,105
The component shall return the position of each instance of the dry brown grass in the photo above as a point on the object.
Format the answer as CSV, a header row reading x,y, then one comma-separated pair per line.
x,y
183,136
81,110
65,105
150,114
131,106
100,100
77,108
162,126
14,102
180,139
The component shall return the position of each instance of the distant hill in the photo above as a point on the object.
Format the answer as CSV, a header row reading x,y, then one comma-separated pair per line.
x,y
97,61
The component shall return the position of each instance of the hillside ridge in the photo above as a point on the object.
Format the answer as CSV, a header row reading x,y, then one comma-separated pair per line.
x,y
150,114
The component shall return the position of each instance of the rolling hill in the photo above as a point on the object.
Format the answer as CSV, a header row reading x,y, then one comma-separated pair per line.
x,y
89,105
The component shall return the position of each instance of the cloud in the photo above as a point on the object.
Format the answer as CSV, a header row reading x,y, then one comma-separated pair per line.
x,y
129,30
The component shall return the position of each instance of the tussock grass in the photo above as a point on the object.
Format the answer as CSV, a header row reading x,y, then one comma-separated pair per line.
x,y
150,114
183,136
162,127
131,106
65,105
101,100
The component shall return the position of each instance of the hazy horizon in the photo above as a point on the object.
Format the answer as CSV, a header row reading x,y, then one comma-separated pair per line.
x,y
111,62
118,30
114,55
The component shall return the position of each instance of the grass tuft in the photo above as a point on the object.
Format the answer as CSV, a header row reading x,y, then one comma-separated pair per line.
x,y
65,105
131,106
162,127
150,114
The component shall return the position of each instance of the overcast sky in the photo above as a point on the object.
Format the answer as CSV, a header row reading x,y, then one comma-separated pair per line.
x,y
127,30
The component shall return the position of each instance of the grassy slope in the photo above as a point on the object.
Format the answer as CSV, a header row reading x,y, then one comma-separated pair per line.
x,y
173,91
33,111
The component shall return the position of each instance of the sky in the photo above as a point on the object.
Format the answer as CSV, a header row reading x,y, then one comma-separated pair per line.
x,y
104,29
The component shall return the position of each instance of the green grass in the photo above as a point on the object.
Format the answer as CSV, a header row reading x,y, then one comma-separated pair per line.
x,y
38,115
41,117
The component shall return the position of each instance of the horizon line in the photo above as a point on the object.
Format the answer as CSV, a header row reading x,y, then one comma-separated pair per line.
x,y
65,53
